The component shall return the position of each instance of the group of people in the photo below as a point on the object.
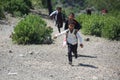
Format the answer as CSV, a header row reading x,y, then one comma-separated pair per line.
x,y
59,18
71,30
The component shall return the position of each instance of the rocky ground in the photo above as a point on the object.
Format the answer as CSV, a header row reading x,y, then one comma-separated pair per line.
x,y
98,60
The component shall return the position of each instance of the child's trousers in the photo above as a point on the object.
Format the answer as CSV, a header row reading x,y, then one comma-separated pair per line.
x,y
59,25
72,48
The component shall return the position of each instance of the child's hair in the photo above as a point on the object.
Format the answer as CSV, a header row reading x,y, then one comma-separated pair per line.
x,y
72,14
59,8
71,24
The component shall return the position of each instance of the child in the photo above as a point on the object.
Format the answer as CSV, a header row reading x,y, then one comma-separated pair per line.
x,y
71,19
59,18
72,36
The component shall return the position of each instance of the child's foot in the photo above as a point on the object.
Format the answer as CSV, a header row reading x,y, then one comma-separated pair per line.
x,y
70,63
76,57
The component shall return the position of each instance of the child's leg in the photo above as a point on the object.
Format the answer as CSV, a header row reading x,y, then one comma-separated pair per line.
x,y
74,50
59,29
70,53
58,25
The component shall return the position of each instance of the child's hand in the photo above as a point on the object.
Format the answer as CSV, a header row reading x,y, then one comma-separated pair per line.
x,y
81,45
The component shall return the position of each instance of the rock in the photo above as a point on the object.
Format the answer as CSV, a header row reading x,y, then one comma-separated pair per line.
x,y
21,55
95,78
118,74
11,35
48,40
31,52
116,53
12,73
1,45
87,39
51,75
10,51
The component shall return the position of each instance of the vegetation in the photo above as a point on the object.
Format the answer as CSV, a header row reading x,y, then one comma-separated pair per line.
x,y
113,6
103,26
107,26
108,4
32,30
16,7
21,7
1,13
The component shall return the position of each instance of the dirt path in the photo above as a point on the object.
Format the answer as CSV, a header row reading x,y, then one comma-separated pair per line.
x,y
98,60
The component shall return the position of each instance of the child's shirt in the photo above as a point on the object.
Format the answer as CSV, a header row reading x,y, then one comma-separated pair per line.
x,y
71,37
54,13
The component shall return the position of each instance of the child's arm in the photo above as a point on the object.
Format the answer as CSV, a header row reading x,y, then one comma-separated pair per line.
x,y
80,39
59,34
54,12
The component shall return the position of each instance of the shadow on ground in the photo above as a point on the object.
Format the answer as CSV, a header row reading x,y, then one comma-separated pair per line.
x,y
87,65
87,56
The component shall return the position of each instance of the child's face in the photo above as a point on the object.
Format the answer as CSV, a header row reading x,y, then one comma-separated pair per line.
x,y
71,16
59,10
71,26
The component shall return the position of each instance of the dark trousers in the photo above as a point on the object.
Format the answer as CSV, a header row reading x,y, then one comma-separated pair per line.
x,y
72,48
59,25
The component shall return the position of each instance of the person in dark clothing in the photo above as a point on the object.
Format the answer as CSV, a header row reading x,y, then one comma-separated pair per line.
x,y
89,11
59,21
71,19
59,18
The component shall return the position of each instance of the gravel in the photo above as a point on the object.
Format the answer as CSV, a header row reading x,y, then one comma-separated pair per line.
x,y
98,60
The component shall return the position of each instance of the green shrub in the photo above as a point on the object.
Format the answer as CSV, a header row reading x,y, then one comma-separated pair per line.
x,y
96,29
1,11
87,24
111,30
36,3
17,13
32,30
18,6
68,10
103,26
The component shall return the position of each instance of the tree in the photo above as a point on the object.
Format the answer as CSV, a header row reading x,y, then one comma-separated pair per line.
x,y
108,4
49,6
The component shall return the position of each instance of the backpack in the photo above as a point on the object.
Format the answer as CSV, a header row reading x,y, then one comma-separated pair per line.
x,y
74,33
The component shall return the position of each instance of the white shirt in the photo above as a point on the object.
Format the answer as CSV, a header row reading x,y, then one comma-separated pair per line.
x,y
71,38
53,13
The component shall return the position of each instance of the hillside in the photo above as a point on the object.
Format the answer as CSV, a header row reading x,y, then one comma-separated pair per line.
x,y
98,60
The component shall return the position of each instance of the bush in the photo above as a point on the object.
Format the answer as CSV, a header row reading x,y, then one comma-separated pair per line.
x,y
20,7
36,3
103,26
111,29
1,11
32,30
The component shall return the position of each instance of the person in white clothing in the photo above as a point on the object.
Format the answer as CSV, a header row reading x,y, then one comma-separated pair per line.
x,y
53,14
72,37
58,17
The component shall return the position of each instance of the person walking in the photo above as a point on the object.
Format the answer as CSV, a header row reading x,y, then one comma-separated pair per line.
x,y
71,19
58,17
72,37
